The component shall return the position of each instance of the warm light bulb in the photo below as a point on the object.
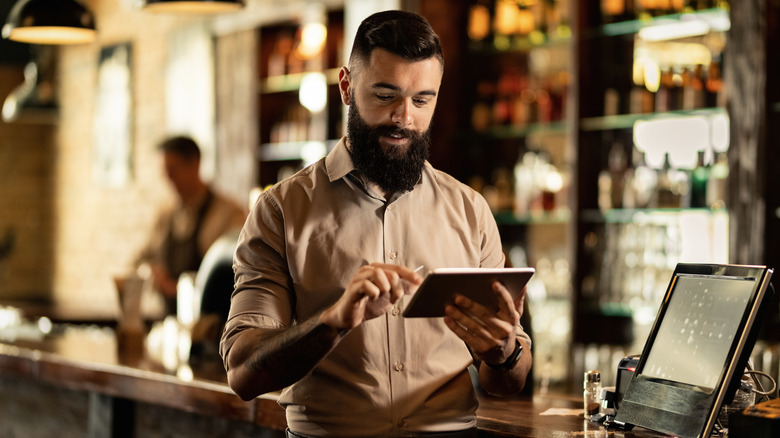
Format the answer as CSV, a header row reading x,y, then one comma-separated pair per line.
x,y
313,93
524,21
193,7
479,22
313,36
51,35
505,21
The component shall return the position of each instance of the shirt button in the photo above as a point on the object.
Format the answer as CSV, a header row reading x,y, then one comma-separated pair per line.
x,y
396,311
393,255
399,366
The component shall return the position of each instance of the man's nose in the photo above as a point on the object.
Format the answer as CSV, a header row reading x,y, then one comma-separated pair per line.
x,y
402,113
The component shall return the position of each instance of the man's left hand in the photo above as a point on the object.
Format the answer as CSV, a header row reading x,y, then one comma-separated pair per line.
x,y
490,335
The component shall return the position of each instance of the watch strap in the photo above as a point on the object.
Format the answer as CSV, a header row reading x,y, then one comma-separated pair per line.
x,y
510,361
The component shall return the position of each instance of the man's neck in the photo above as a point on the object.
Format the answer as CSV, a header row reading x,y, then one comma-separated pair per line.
x,y
378,189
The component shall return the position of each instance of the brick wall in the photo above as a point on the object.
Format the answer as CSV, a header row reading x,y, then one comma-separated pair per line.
x,y
26,198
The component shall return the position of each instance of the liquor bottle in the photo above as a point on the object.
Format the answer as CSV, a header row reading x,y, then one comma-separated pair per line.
x,y
479,21
612,10
540,25
688,92
277,59
713,85
663,7
524,21
717,185
663,96
699,180
646,9
641,98
505,18
562,19
553,18
617,163
665,191
676,89
481,112
644,181
611,101
697,86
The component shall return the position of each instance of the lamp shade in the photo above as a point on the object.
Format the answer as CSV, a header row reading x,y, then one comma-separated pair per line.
x,y
193,6
50,22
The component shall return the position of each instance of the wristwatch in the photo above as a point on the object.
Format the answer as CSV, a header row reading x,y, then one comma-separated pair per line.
x,y
510,361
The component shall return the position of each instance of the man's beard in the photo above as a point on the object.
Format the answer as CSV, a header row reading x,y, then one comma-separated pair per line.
x,y
391,170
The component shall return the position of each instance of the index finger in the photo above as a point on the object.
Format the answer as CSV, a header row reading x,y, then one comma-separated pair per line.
x,y
403,272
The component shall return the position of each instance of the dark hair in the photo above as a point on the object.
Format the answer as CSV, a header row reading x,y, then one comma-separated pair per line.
x,y
401,33
182,146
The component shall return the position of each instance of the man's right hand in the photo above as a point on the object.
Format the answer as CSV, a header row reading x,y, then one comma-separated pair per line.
x,y
163,281
265,360
373,290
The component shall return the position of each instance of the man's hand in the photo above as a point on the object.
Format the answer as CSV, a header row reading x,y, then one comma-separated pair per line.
x,y
373,290
163,281
491,336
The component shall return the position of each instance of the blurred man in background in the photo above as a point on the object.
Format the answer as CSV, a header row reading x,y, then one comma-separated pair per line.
x,y
185,231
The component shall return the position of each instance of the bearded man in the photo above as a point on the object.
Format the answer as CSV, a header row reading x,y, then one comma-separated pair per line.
x,y
323,263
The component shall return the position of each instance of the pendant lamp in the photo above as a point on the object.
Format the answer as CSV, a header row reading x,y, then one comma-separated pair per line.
x,y
50,22
193,6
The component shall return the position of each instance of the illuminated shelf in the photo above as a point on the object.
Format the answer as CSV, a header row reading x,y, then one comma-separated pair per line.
x,y
646,215
716,19
558,216
626,121
293,150
557,127
292,82
504,44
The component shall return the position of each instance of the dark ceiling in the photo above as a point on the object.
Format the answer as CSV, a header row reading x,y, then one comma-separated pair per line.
x,y
11,52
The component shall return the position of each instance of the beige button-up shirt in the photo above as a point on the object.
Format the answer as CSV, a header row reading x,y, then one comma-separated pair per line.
x,y
302,243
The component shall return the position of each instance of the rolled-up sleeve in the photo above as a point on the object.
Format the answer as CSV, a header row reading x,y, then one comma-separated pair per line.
x,y
262,294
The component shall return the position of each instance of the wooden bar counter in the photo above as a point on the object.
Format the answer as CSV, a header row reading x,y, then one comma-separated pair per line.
x,y
73,383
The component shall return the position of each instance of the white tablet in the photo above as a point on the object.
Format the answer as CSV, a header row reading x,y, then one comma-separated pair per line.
x,y
440,286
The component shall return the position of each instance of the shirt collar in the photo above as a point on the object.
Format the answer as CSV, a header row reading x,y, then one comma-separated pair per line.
x,y
338,164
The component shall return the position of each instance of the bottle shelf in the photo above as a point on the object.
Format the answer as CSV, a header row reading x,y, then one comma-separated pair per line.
x,y
510,132
557,216
295,150
511,44
292,82
715,19
626,121
647,215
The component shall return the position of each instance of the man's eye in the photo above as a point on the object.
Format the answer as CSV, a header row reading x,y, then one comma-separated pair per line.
x,y
384,97
421,102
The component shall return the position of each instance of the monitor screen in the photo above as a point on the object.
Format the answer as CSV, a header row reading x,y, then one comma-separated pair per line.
x,y
697,348
700,324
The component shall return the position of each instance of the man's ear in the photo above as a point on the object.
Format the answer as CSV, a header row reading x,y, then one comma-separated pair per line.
x,y
344,86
